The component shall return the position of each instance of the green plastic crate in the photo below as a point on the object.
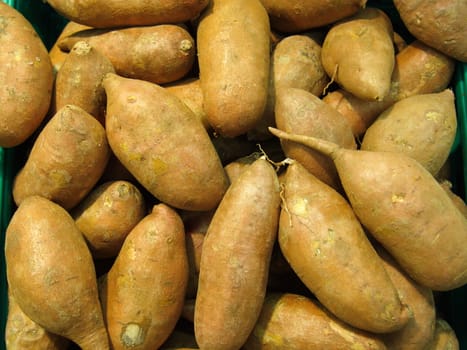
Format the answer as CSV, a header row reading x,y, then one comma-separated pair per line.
x,y
48,24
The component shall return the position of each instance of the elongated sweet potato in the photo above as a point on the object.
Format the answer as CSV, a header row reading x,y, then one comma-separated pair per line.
x,y
66,161
160,53
299,111
419,69
235,259
26,78
294,322
297,16
422,126
404,208
115,13
358,54
163,144
144,291
234,54
107,215
51,274
326,246
23,333
79,81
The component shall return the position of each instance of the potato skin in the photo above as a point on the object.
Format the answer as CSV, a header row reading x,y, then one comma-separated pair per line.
x,y
233,44
160,54
51,274
326,246
235,259
115,13
444,337
144,291
66,160
439,24
107,215
26,78
296,16
292,321
163,144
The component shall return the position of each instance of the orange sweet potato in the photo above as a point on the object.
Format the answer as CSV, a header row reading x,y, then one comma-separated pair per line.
x,y
163,144
51,274
144,290
66,160
107,215
235,259
26,78
160,53
233,44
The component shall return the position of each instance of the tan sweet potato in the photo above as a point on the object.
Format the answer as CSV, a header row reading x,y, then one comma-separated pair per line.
x,y
79,81
294,322
422,126
418,332
144,291
51,274
235,259
107,215
297,16
299,111
326,246
444,337
419,69
26,78
233,45
358,54
66,161
115,13
163,144
404,208
439,24
160,53
22,333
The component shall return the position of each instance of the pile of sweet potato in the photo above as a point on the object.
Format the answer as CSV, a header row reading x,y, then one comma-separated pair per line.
x,y
233,174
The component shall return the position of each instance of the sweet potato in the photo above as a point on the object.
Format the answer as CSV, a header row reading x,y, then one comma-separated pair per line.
x,y
235,259
161,53
422,126
51,274
79,81
417,333
163,144
291,321
445,337
234,55
66,160
439,24
23,333
326,246
404,208
144,291
115,13
299,111
297,16
419,69
358,54
26,78
107,215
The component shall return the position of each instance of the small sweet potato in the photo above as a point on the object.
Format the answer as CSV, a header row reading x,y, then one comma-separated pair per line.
x,y
51,274
444,338
294,322
235,259
107,215
67,159
358,54
160,141
144,291
160,53
26,78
